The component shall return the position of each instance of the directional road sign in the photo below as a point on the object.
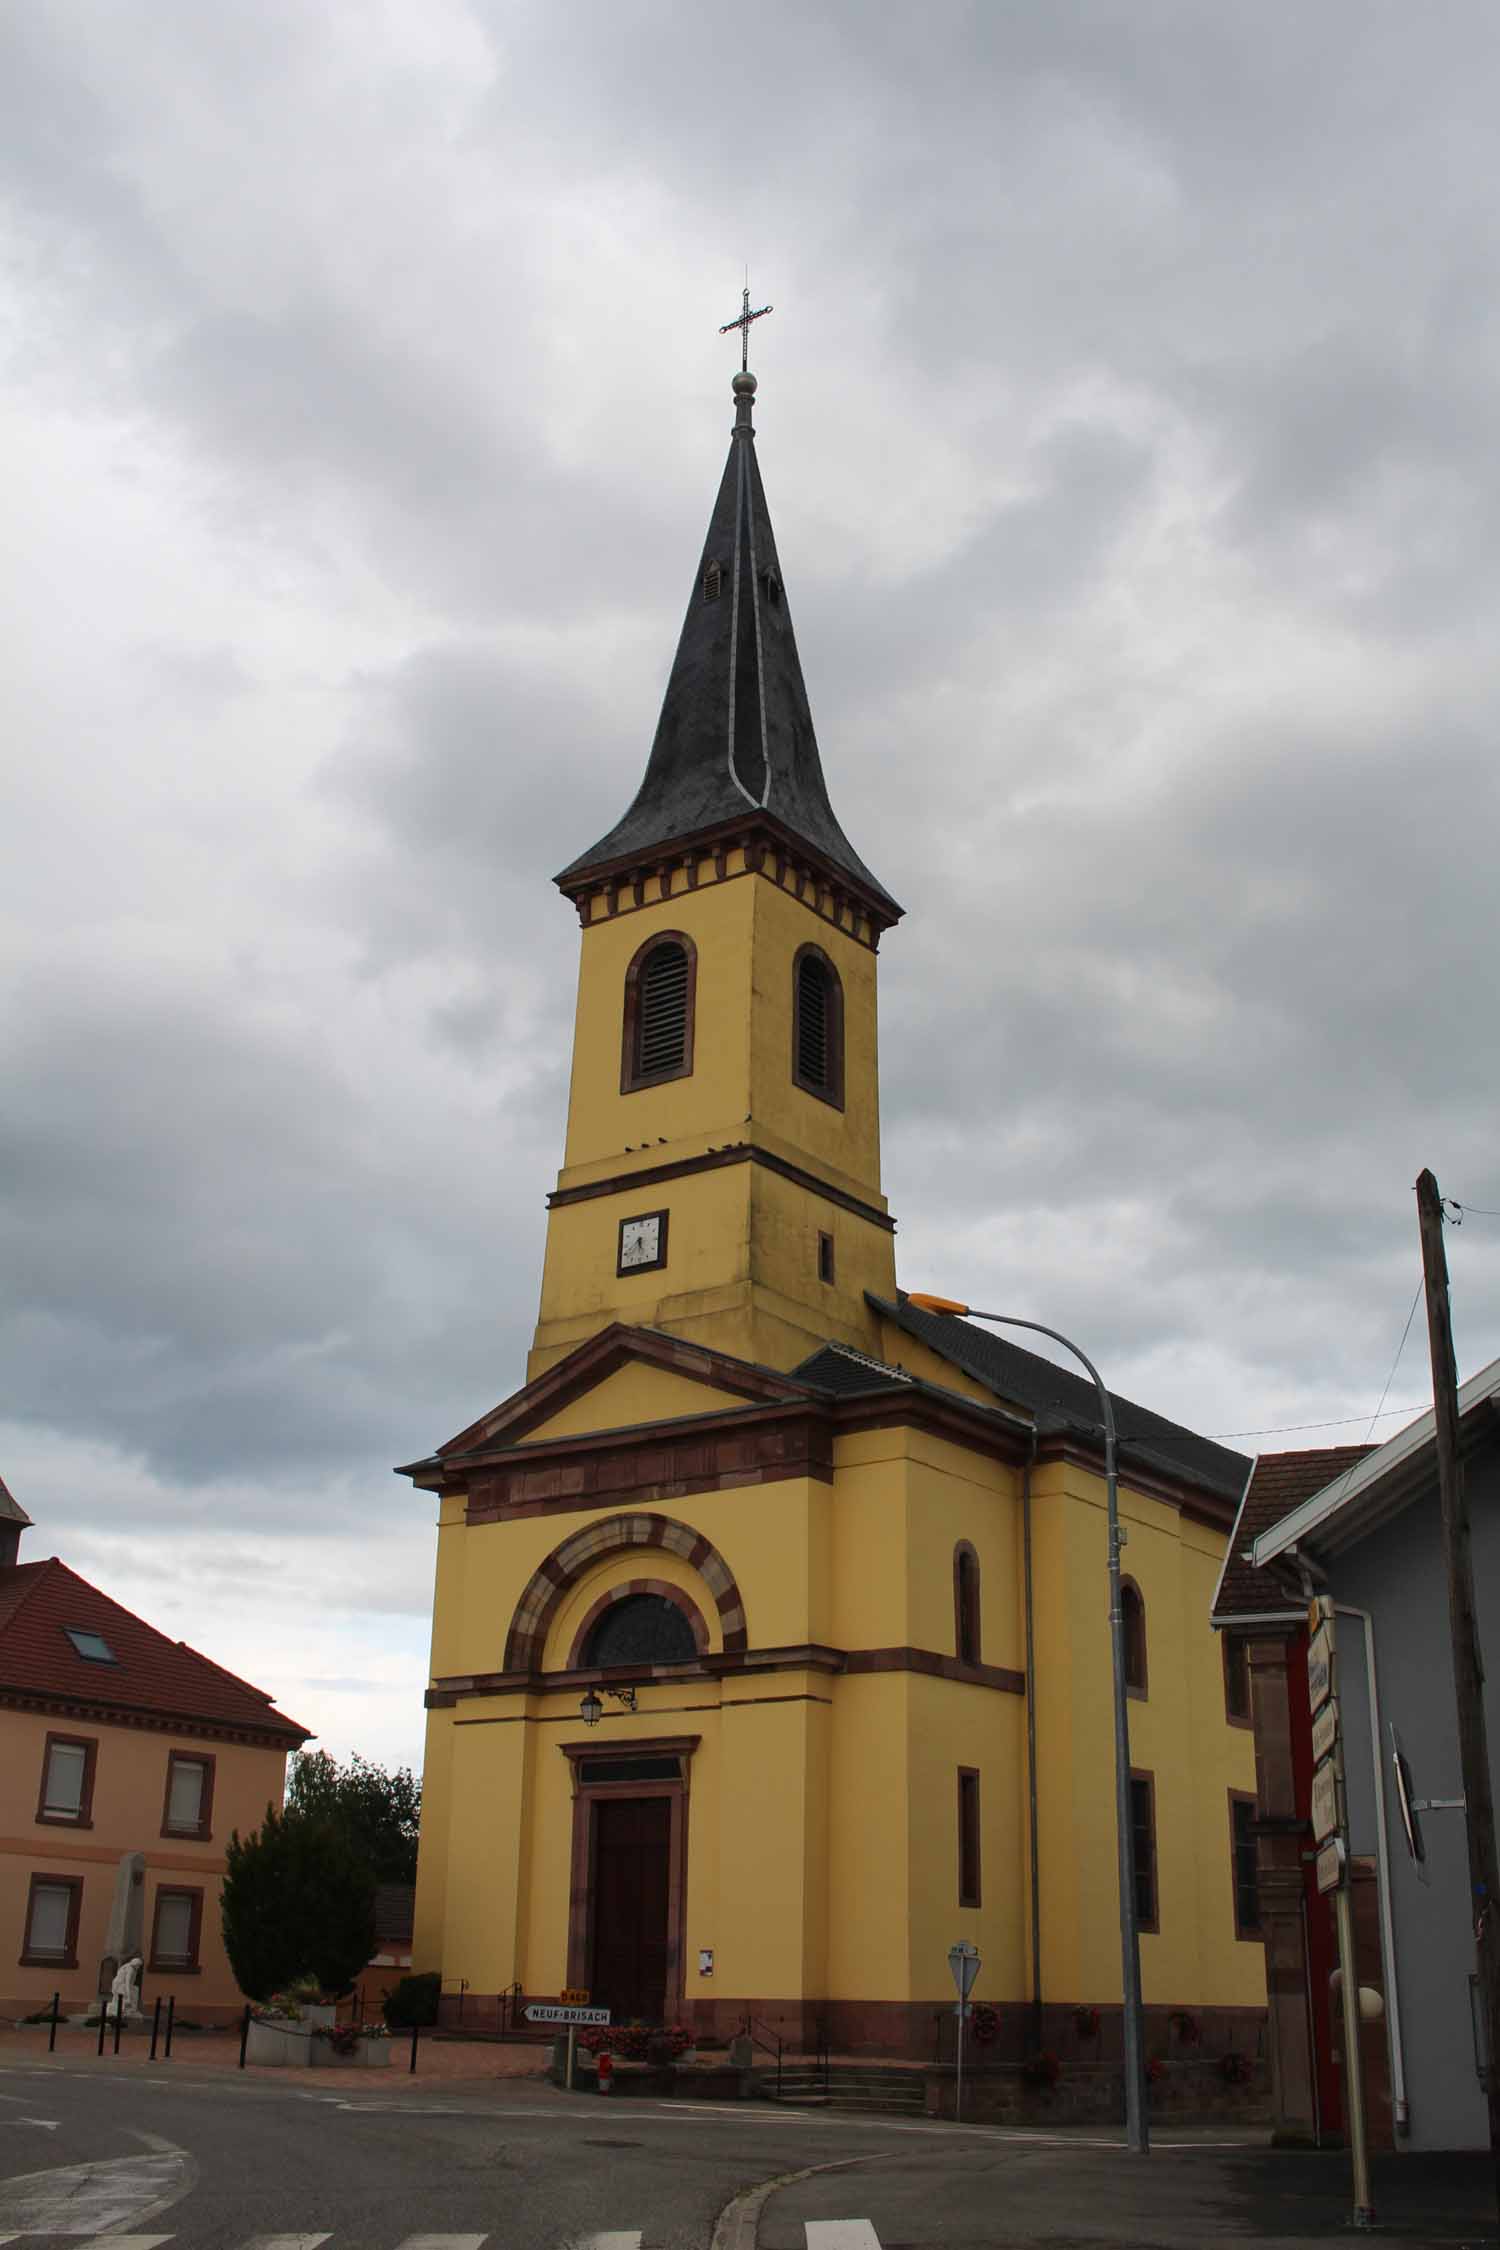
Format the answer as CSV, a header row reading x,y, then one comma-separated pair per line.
x,y
550,2011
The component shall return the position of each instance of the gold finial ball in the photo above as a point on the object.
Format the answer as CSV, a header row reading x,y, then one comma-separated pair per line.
x,y
743,385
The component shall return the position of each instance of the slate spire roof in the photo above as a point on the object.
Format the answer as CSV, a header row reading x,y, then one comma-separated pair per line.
x,y
735,738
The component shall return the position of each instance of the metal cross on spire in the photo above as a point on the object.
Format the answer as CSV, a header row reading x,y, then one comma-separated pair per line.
x,y
743,325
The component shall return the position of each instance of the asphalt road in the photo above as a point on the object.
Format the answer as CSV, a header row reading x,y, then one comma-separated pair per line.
x,y
132,2161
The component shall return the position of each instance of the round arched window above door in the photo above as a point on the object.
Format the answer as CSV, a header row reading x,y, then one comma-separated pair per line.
x,y
641,1629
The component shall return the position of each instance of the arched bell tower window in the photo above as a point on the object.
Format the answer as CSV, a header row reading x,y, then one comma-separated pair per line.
x,y
1133,1611
817,1026
641,1629
660,993
966,1603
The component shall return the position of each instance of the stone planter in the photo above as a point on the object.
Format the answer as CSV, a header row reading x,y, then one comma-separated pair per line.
x,y
368,2054
273,2040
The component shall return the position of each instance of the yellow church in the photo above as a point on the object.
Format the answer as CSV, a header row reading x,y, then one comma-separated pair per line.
x,y
770,1653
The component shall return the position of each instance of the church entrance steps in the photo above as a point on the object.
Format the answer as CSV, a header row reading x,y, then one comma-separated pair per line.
x,y
873,2087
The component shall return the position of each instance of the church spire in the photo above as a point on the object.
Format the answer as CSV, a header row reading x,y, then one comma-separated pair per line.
x,y
735,750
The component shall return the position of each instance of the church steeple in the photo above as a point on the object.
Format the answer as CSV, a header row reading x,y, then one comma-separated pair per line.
x,y
735,743
721,1177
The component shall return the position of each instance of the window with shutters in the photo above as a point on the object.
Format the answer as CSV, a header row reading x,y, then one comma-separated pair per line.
x,y
1143,1846
188,1806
175,1930
660,996
817,1026
52,1910
66,1798
1242,1861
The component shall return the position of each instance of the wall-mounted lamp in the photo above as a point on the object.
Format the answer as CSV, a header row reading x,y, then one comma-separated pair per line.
x,y
591,1710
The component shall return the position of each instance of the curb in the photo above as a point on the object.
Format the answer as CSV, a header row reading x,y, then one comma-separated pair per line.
x,y
737,2224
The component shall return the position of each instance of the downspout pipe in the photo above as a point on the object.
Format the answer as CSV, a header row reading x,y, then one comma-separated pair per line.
x,y
1031,1781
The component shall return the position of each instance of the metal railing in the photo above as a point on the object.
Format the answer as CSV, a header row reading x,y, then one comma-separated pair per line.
x,y
770,2042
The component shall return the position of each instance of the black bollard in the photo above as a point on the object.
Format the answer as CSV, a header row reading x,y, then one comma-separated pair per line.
x,y
244,2033
416,2033
155,2025
103,2019
52,2034
171,2012
119,2020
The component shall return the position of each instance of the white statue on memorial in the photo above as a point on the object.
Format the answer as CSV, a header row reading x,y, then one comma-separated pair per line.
x,y
126,1986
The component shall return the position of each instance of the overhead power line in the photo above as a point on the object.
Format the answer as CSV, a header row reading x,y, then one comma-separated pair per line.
x,y
1335,1422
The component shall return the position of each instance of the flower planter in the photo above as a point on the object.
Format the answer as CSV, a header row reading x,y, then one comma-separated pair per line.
x,y
274,2041
367,2054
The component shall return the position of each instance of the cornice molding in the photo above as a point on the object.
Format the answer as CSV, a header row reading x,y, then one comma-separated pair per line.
x,y
645,1177
151,1722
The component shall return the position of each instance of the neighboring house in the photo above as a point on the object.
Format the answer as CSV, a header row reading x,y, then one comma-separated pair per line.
x,y
732,1708
125,1760
1362,1526
391,1960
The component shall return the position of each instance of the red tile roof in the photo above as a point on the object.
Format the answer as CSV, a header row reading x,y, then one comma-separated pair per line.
x,y
151,1674
1279,1482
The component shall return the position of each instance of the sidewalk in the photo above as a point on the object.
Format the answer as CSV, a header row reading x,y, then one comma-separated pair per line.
x,y
442,2059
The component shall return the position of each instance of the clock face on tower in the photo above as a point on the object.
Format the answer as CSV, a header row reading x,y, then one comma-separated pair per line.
x,y
643,1242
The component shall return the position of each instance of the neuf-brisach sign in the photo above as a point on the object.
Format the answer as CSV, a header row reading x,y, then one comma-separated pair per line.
x,y
554,2011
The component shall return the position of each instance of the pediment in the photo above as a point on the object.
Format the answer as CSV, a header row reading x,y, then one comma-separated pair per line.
x,y
619,1379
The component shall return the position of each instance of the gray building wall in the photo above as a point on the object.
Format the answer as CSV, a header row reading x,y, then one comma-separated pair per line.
x,y
1396,1573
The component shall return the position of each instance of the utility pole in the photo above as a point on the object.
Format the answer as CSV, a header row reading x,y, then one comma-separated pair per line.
x,y
1468,1664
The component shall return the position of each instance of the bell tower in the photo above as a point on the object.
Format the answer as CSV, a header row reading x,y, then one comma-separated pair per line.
x,y
721,1177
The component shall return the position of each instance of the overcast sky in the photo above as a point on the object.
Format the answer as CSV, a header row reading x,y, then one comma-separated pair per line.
x,y
1128,418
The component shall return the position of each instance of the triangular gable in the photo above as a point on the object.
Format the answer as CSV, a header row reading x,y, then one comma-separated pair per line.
x,y
702,1382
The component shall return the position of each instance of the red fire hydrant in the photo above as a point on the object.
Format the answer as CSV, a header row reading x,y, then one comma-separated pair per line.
x,y
606,2073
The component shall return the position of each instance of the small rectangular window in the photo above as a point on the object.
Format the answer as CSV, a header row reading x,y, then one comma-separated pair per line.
x,y
175,1929
1242,1849
1143,1848
825,1257
189,1798
1236,1679
52,1922
67,1791
93,1646
968,1836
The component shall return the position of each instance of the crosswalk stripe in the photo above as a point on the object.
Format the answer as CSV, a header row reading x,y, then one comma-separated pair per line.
x,y
840,2234
443,2242
286,2241
627,2239
130,2241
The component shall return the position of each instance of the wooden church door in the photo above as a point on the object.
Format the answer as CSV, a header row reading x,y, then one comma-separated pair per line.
x,y
632,1855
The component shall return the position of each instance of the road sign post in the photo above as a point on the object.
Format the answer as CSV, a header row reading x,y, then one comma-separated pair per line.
x,y
963,1960
1330,1825
567,2014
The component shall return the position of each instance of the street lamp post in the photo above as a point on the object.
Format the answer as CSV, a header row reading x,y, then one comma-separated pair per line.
x,y
1137,2128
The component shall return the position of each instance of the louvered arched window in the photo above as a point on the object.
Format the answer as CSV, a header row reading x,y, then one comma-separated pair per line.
x,y
818,1026
660,990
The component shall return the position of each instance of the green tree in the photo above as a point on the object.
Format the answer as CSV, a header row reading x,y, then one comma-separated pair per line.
x,y
379,1812
297,1900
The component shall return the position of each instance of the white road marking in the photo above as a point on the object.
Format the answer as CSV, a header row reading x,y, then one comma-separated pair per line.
x,y
285,2241
48,2124
93,2199
130,2241
628,2239
840,2234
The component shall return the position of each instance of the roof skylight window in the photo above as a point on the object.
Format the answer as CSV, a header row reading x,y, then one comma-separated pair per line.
x,y
93,1646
